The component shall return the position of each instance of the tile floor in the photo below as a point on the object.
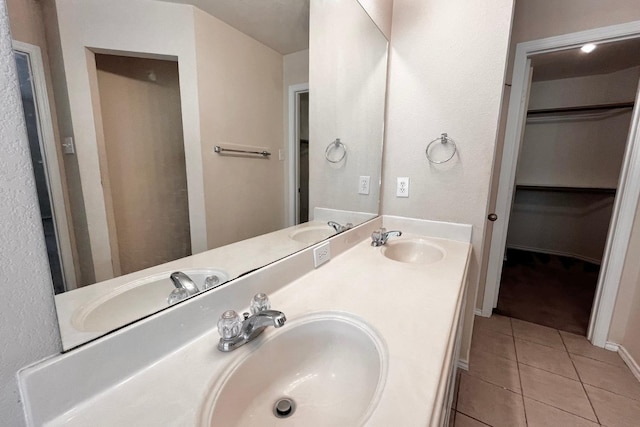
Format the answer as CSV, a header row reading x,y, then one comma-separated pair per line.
x,y
522,374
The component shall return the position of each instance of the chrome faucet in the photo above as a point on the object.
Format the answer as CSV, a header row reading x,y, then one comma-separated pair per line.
x,y
338,227
380,237
182,281
235,332
185,287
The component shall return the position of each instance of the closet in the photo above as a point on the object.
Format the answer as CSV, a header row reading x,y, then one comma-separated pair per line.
x,y
566,182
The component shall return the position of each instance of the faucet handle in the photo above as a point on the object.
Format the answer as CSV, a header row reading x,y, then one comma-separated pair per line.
x,y
259,302
229,324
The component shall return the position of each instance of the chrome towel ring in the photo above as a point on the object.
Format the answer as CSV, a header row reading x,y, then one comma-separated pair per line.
x,y
338,149
443,152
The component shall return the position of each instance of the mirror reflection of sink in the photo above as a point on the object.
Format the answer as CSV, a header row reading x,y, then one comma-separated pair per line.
x,y
134,300
414,251
331,366
312,234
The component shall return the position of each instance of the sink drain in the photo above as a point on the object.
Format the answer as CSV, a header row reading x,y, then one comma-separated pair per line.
x,y
284,408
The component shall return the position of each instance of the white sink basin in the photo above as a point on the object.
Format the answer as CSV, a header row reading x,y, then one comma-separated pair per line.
x,y
414,251
331,365
134,300
312,234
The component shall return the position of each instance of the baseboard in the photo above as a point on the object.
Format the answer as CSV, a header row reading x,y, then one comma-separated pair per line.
x,y
552,252
463,364
629,360
477,312
611,346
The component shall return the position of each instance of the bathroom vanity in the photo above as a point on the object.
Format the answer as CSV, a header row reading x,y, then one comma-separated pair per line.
x,y
369,340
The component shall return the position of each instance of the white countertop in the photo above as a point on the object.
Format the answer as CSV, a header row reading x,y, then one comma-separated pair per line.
x,y
413,307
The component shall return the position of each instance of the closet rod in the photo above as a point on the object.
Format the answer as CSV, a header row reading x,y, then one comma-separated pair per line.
x,y
566,189
582,108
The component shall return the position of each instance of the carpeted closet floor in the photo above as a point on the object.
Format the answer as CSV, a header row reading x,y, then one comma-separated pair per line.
x,y
549,290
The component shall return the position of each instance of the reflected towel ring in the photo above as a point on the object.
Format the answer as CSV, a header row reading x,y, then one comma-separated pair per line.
x,y
444,152
335,146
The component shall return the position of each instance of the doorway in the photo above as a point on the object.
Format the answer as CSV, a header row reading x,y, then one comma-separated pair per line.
x,y
298,105
142,159
578,118
45,161
626,200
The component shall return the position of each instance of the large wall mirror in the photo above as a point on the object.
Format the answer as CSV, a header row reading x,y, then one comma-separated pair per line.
x,y
203,136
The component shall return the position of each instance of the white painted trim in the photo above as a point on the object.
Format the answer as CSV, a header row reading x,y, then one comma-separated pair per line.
x,y
51,162
478,312
463,364
611,346
630,361
292,153
629,187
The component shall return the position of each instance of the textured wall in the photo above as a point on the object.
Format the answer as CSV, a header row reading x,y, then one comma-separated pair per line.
x,y
446,72
28,328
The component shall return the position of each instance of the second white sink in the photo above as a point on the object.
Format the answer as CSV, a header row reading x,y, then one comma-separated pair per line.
x,y
415,251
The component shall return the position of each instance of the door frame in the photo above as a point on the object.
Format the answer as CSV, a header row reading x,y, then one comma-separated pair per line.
x,y
626,201
51,162
293,197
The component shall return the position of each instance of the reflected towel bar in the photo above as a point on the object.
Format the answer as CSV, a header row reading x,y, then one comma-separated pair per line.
x,y
219,150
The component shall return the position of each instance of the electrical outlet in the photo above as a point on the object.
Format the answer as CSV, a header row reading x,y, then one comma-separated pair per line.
x,y
363,186
402,187
321,254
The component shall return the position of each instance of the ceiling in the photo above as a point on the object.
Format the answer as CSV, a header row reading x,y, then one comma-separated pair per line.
x,y
283,25
606,58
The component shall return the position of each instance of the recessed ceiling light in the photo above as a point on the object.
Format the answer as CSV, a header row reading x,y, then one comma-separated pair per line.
x,y
588,48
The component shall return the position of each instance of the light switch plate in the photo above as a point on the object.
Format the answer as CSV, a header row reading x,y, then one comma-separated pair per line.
x,y
363,184
402,187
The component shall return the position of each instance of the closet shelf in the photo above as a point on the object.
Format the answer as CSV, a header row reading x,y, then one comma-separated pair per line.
x,y
581,109
560,189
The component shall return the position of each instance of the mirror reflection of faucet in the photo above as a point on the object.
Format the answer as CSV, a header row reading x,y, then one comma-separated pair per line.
x,y
380,237
235,331
338,227
186,287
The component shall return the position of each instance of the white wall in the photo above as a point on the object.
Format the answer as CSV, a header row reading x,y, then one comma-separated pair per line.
x,y
157,29
240,95
447,65
347,70
296,71
28,328
381,12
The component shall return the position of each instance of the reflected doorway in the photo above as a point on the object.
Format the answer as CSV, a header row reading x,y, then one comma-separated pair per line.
x,y
142,161
36,114
302,139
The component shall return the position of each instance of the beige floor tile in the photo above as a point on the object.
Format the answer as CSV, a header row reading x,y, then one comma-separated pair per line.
x,y
541,415
495,343
495,323
547,358
555,390
463,421
489,403
614,410
495,369
537,333
615,379
577,344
